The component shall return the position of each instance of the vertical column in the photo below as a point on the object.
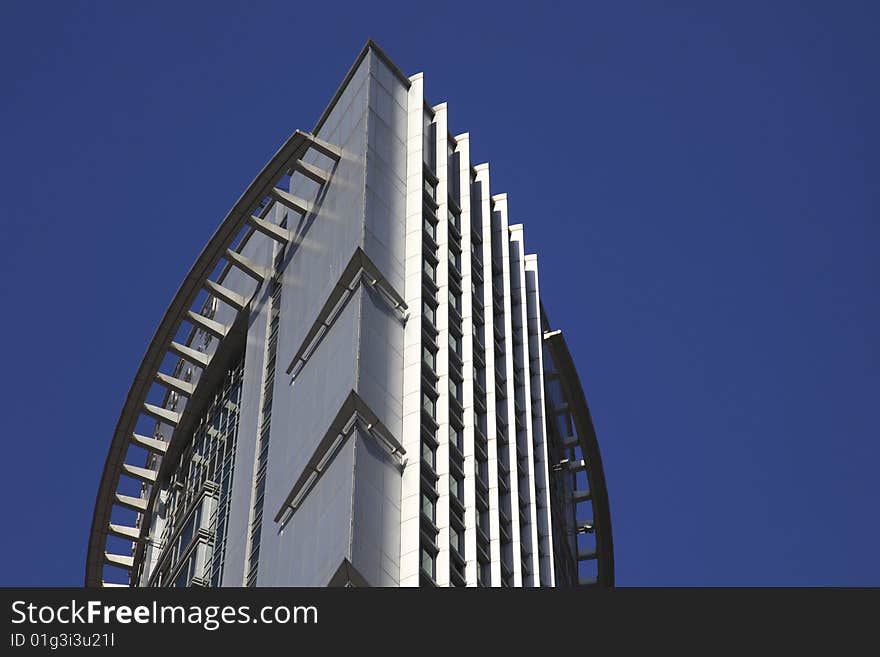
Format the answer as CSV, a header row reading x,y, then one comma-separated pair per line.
x,y
539,429
255,524
488,516
456,370
474,399
444,355
512,559
412,389
523,408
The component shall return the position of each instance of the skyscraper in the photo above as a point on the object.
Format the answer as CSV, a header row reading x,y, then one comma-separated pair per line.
x,y
356,383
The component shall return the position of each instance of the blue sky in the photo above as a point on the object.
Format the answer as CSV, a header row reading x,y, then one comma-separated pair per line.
x,y
700,181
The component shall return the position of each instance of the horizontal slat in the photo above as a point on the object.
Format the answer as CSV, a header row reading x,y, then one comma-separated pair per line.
x,y
129,502
192,355
249,267
178,385
291,201
325,148
142,474
119,560
131,533
206,323
576,465
225,295
310,171
581,495
162,414
151,444
272,231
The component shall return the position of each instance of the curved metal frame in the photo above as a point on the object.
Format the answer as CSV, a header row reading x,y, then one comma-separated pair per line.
x,y
287,160
573,393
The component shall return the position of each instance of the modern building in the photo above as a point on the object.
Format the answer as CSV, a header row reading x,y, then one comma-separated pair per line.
x,y
356,383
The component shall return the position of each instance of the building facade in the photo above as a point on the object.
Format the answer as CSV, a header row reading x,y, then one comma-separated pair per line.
x,y
356,383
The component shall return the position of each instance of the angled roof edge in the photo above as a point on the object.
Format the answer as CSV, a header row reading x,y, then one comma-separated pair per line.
x,y
369,45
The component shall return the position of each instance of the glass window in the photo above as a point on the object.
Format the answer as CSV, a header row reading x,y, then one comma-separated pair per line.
x,y
428,562
430,190
456,436
430,227
483,573
429,507
456,539
455,343
454,219
455,258
429,405
429,357
481,423
186,574
429,312
190,529
429,145
454,300
455,388
429,454
182,579
208,457
452,160
456,488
